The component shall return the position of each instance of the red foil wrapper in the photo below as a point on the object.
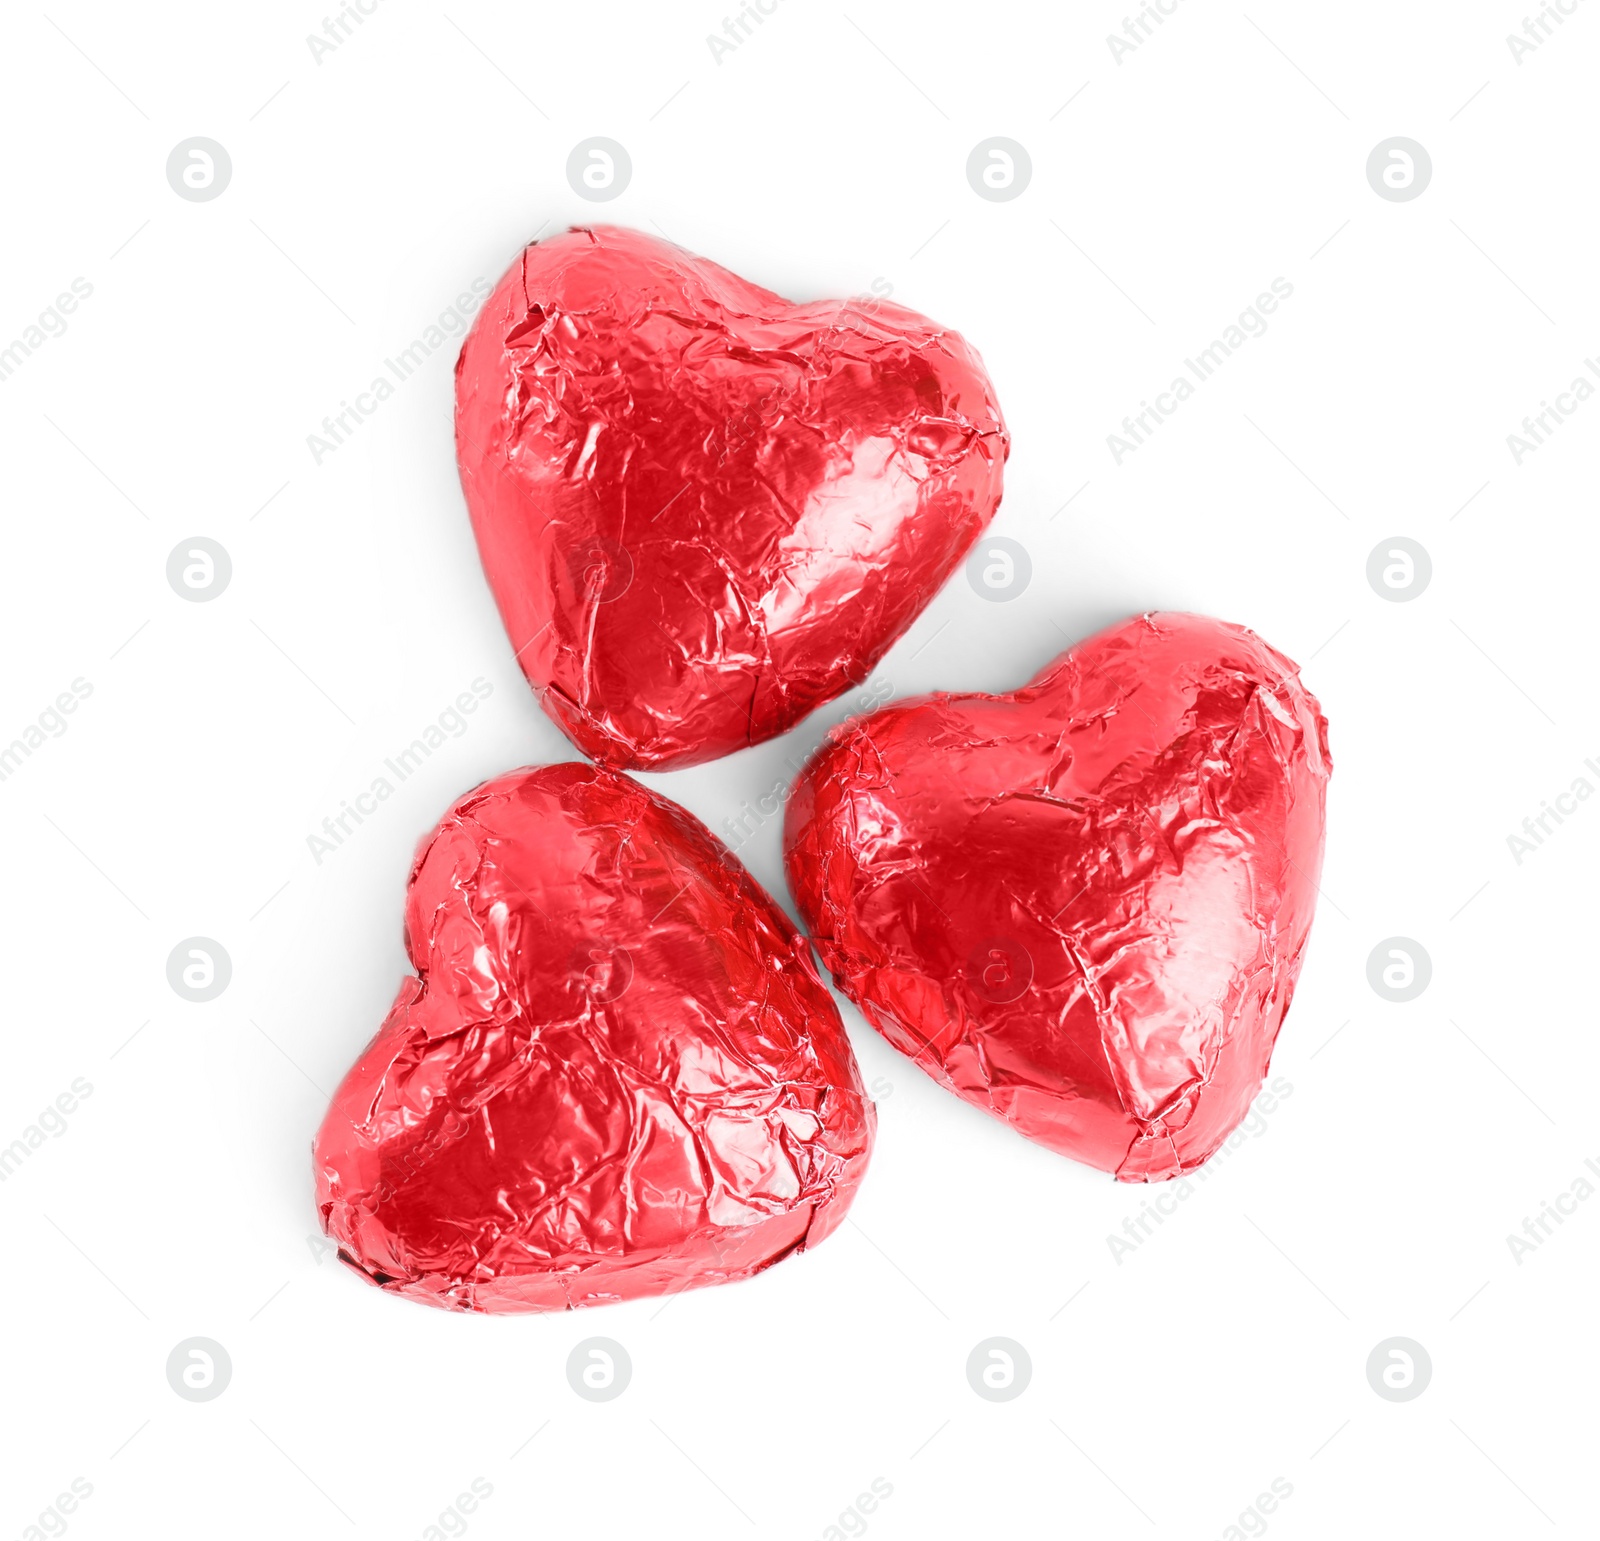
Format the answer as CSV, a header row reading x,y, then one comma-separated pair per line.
x,y
1081,906
705,511
617,1072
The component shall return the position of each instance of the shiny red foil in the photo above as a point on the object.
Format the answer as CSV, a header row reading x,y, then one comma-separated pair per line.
x,y
616,1072
1081,906
705,511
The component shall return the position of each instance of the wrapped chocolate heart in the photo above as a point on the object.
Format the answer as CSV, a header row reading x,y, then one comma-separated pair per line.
x,y
705,511
1082,906
616,1072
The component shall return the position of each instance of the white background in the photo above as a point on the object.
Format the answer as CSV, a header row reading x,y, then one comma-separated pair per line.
x,y
827,151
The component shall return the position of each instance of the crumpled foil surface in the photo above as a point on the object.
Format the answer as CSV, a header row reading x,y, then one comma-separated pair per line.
x,y
616,1073
1081,906
704,511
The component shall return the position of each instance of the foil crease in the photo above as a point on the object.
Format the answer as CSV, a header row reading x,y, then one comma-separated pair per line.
x,y
705,511
1082,906
616,1072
